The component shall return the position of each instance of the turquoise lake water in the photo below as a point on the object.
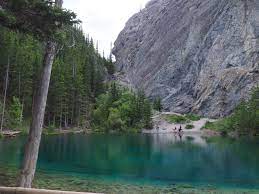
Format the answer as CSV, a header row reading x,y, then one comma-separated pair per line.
x,y
155,159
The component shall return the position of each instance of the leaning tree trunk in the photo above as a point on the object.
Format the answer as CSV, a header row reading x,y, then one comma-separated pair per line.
x,y
33,143
39,105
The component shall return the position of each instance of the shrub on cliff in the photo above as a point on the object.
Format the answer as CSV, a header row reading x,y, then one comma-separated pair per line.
x,y
245,118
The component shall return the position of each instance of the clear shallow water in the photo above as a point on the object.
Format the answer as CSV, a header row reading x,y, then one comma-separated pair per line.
x,y
162,159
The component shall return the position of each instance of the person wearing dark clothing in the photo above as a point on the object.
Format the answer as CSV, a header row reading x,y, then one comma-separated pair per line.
x,y
180,129
175,129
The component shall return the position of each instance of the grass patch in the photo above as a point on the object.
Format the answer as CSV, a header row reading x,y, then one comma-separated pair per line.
x,y
182,119
1,135
176,119
50,131
223,125
193,117
209,125
189,126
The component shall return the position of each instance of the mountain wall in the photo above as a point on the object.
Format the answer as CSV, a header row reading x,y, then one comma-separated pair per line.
x,y
199,56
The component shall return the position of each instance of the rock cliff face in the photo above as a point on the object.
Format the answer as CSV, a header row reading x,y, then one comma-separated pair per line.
x,y
199,56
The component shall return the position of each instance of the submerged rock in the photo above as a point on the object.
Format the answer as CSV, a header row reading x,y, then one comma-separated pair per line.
x,y
199,56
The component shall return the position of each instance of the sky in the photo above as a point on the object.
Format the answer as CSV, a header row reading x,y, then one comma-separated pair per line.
x,y
104,19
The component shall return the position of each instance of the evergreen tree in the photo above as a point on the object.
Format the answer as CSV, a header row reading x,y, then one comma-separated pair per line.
x,y
114,92
15,113
147,114
121,110
157,104
246,115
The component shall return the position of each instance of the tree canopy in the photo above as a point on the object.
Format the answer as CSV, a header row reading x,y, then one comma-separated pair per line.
x,y
41,18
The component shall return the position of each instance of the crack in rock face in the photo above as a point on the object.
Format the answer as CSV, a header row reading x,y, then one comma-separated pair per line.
x,y
199,56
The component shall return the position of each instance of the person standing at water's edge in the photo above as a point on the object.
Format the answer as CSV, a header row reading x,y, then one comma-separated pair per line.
x,y
180,129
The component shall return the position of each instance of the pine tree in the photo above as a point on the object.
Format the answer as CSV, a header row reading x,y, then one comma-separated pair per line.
x,y
15,113
147,114
114,92
157,104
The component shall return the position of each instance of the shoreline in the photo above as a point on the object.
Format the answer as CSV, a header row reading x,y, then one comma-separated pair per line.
x,y
100,185
162,125
12,134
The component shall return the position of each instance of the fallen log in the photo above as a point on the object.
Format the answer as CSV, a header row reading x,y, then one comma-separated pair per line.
x,y
11,133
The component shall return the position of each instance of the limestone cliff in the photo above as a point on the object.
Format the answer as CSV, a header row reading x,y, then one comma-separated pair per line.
x,y
199,56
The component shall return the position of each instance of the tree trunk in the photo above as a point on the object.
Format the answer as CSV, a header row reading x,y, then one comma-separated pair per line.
x,y
65,124
19,84
38,111
5,92
61,115
54,120
21,115
33,143
79,115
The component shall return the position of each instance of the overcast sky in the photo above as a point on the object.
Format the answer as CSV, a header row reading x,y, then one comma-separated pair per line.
x,y
104,19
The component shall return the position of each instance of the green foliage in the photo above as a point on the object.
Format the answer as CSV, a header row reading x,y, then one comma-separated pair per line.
x,y
1,135
15,113
24,131
121,110
39,18
223,125
114,92
176,119
77,78
50,130
114,120
109,66
193,117
1,109
245,118
147,114
246,115
182,119
189,126
157,104
209,125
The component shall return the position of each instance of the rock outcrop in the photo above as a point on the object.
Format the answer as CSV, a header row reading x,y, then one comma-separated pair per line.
x,y
199,56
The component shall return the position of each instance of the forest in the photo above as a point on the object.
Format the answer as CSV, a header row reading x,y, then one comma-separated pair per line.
x,y
79,81
77,78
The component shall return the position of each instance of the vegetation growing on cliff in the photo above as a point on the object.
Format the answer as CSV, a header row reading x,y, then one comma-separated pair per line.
x,y
245,118
157,104
182,119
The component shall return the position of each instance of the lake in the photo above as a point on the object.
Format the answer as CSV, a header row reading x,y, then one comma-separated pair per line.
x,y
161,161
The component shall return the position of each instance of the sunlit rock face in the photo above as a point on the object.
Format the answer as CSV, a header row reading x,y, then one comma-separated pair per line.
x,y
199,56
